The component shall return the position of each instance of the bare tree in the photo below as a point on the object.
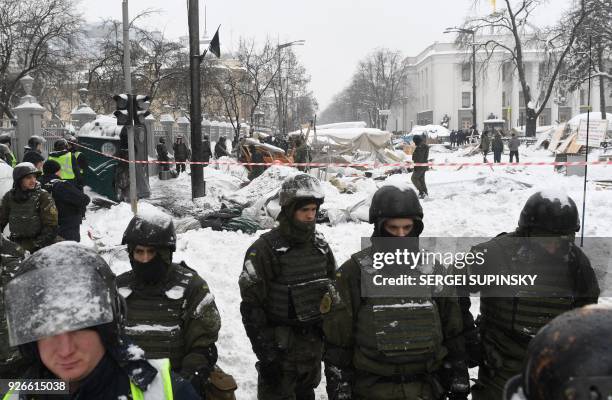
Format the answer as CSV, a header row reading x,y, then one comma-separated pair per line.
x,y
376,85
591,54
35,38
516,34
260,68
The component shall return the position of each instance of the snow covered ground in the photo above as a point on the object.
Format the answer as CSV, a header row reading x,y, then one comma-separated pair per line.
x,y
469,202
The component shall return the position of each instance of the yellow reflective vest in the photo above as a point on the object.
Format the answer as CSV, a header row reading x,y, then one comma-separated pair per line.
x,y
65,162
163,374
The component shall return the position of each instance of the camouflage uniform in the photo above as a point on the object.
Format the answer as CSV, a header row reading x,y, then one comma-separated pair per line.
x,y
171,312
11,362
31,216
391,348
285,274
565,280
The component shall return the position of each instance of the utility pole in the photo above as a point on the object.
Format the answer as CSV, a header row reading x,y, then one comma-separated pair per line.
x,y
127,69
198,188
474,120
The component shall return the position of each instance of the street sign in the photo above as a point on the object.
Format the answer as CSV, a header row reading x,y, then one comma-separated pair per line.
x,y
384,112
597,132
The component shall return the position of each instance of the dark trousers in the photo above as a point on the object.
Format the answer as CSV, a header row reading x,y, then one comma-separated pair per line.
x,y
514,154
180,167
70,232
497,156
418,179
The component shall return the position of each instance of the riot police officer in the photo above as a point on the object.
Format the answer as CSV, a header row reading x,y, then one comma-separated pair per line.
x,y
171,312
69,167
285,274
66,315
400,346
28,210
543,244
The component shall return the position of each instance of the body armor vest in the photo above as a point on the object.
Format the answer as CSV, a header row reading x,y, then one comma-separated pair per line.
x,y
529,310
396,330
155,315
300,281
24,217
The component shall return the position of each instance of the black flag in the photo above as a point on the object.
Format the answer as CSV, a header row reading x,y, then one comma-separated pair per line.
x,y
215,46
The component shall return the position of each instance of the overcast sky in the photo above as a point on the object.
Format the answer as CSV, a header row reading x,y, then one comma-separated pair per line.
x,y
338,33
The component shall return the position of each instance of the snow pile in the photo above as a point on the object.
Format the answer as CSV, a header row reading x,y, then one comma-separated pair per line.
x,y
268,182
153,216
343,125
431,131
102,126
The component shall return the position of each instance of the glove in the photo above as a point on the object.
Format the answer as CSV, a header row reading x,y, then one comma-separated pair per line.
x,y
460,381
270,371
339,383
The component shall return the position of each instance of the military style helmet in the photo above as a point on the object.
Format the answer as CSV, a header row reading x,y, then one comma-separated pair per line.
x,y
62,288
4,151
35,140
24,169
5,138
554,213
150,227
60,144
162,140
301,186
393,202
569,358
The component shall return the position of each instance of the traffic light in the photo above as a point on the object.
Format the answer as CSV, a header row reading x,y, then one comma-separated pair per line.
x,y
123,109
141,107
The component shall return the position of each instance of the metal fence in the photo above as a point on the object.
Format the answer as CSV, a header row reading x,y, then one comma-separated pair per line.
x,y
51,135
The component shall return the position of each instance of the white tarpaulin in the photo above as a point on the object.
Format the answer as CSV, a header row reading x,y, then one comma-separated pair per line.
x,y
352,140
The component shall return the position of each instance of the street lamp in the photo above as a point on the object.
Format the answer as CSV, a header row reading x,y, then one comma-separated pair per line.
x,y
473,33
282,123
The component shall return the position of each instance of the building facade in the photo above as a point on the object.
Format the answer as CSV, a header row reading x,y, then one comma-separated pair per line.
x,y
440,83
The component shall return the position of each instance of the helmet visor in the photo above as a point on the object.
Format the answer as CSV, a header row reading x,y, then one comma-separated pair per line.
x,y
46,302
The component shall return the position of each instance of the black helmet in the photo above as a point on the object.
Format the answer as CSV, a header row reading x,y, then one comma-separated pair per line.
x,y
569,358
5,138
301,186
62,288
393,202
24,169
150,227
554,213
60,145
35,140
162,140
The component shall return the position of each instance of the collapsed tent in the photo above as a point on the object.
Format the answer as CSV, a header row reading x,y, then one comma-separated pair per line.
x,y
349,141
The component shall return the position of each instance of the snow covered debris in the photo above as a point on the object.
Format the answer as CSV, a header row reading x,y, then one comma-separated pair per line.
x,y
153,215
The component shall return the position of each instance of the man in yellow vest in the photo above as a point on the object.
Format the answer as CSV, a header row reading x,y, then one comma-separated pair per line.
x,y
70,170
66,315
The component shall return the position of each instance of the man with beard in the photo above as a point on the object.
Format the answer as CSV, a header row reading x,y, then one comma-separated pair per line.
x,y
391,346
28,210
171,312
286,272
543,244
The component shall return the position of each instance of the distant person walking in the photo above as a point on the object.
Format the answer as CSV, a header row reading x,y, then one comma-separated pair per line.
x,y
497,147
513,146
420,155
485,145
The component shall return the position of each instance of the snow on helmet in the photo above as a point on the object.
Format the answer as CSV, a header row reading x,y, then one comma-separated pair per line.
x,y
24,169
150,227
552,212
301,186
569,358
61,288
